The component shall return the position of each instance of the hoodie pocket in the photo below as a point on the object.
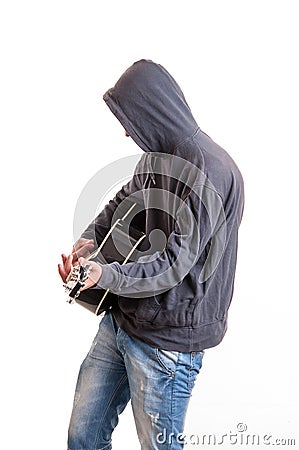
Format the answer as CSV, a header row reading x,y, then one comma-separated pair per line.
x,y
147,309
140,309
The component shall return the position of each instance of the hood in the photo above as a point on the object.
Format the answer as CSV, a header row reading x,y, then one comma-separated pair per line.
x,y
151,107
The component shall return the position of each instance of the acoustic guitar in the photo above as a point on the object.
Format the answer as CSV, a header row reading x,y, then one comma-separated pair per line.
x,y
119,245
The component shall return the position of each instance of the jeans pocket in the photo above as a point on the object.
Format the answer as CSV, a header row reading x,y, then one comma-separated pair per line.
x,y
195,366
168,360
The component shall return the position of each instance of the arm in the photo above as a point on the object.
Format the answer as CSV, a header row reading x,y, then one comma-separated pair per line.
x,y
160,272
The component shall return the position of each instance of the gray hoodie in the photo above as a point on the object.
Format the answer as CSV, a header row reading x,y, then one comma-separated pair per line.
x,y
176,293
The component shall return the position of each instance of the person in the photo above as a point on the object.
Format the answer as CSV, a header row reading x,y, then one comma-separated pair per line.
x,y
172,301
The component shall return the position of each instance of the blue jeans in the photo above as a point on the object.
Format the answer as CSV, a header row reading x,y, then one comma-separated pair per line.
x,y
119,368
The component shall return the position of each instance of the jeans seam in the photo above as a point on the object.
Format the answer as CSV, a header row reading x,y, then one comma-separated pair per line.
x,y
106,446
172,406
122,380
191,379
170,372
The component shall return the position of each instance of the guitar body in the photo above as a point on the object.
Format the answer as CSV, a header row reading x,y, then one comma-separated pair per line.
x,y
120,245
96,301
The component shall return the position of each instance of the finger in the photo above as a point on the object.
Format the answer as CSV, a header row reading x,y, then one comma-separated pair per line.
x,y
62,273
68,264
75,256
82,251
89,242
83,261
85,245
81,243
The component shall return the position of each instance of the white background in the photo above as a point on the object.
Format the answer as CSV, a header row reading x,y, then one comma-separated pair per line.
x,y
237,63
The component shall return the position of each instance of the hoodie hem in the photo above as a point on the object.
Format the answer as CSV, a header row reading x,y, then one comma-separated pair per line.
x,y
181,339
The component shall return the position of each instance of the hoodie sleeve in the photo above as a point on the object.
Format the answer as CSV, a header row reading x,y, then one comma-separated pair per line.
x,y
157,273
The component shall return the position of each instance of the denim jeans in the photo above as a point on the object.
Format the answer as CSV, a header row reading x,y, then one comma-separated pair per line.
x,y
119,368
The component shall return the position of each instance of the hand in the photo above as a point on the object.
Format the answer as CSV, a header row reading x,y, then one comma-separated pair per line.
x,y
81,248
94,274
66,266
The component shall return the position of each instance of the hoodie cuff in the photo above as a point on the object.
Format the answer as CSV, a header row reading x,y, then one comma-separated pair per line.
x,y
110,277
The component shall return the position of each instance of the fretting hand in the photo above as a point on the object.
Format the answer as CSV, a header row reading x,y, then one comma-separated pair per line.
x,y
80,249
